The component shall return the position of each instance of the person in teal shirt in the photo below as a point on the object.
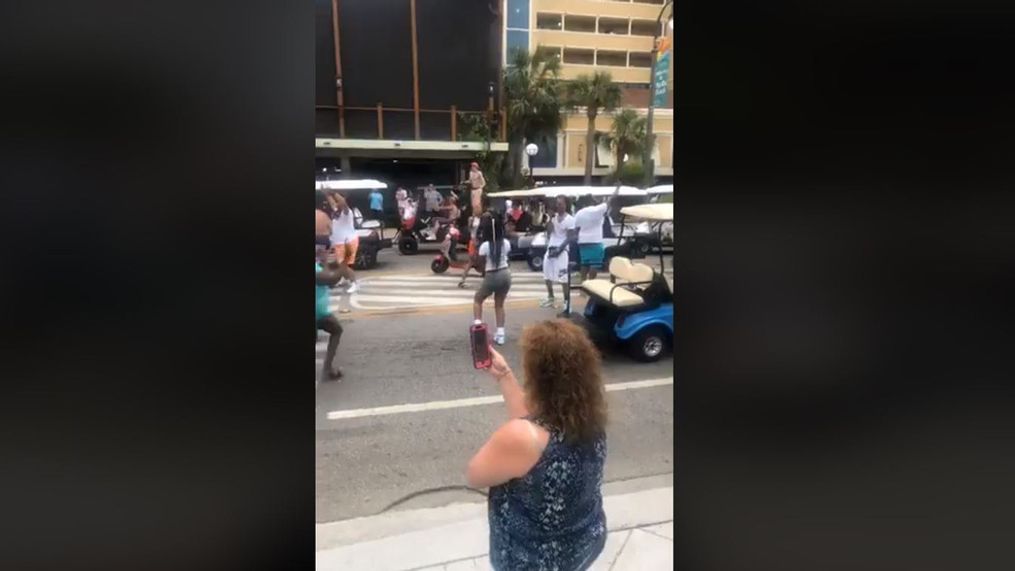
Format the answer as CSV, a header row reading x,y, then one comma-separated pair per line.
x,y
377,204
326,321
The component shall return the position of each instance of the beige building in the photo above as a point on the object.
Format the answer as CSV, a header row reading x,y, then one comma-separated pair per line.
x,y
590,35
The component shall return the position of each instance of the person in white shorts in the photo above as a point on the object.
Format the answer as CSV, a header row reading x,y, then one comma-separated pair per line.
x,y
560,232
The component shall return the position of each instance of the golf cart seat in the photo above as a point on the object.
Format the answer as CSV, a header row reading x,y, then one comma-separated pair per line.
x,y
622,289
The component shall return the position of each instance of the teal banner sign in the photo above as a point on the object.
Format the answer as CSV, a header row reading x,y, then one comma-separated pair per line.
x,y
662,72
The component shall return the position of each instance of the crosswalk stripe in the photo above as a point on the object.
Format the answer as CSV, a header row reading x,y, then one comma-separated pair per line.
x,y
408,291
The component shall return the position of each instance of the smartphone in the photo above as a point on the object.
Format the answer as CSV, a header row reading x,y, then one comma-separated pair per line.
x,y
481,357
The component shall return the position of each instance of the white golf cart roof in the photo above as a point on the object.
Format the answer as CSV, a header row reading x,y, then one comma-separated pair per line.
x,y
346,184
660,189
569,191
658,212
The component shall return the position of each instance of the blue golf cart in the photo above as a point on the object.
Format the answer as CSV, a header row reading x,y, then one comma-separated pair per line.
x,y
634,306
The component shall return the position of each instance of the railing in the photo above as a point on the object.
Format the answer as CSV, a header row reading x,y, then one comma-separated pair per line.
x,y
453,112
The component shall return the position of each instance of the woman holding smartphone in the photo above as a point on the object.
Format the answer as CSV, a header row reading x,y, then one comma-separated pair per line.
x,y
544,466
497,279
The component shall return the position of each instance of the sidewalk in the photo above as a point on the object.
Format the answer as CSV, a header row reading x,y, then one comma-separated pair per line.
x,y
455,537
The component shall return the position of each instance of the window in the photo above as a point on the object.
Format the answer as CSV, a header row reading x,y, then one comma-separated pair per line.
x,y
641,59
518,14
580,56
579,23
608,57
517,39
549,21
551,50
613,26
643,28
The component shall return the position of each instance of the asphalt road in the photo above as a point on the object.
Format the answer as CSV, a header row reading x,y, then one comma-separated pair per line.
x,y
370,460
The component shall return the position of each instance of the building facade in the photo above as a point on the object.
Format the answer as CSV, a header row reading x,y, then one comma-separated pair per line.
x,y
394,81
592,35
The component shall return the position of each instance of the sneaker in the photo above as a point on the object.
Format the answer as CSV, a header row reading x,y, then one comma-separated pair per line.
x,y
548,302
499,338
353,288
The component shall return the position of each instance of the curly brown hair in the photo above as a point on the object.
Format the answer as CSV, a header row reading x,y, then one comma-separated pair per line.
x,y
563,381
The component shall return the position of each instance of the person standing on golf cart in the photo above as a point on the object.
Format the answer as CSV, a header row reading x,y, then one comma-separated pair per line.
x,y
560,232
476,185
589,222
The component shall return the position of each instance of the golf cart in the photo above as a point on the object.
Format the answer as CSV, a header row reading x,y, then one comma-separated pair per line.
x,y
532,246
369,231
634,306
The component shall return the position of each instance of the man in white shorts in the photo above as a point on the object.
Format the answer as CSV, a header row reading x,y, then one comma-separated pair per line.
x,y
560,231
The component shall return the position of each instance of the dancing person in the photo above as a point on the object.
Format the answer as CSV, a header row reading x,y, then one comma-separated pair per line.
x,y
493,253
476,185
326,321
345,241
560,233
589,223
544,466
474,239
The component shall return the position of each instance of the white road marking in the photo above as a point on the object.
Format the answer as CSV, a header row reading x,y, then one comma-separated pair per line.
x,y
474,401
407,291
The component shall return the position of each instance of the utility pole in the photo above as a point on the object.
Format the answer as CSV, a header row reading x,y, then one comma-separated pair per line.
x,y
647,159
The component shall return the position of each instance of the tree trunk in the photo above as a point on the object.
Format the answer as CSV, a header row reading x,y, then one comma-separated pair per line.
x,y
513,162
590,151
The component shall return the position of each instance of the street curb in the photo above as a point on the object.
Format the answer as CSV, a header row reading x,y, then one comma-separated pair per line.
x,y
651,503
463,536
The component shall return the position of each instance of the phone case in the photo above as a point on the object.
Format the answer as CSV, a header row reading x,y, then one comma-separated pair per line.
x,y
479,340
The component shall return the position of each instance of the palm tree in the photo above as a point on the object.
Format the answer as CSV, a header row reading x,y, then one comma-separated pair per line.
x,y
595,93
533,92
627,136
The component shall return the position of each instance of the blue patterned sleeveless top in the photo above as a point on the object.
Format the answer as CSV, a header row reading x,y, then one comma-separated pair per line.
x,y
552,518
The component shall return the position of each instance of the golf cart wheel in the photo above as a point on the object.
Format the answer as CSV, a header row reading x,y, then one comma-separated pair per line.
x,y
535,262
370,260
408,246
642,248
649,344
440,265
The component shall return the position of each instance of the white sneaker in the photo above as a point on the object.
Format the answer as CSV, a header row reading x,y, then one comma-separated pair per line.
x,y
353,288
499,337
548,302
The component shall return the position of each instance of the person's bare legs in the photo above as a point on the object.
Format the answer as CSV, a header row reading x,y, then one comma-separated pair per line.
x,y
477,306
346,272
334,329
498,308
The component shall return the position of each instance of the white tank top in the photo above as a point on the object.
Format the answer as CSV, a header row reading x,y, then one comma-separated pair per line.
x,y
343,228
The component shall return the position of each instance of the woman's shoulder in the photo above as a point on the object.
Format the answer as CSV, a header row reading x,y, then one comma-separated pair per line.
x,y
516,435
